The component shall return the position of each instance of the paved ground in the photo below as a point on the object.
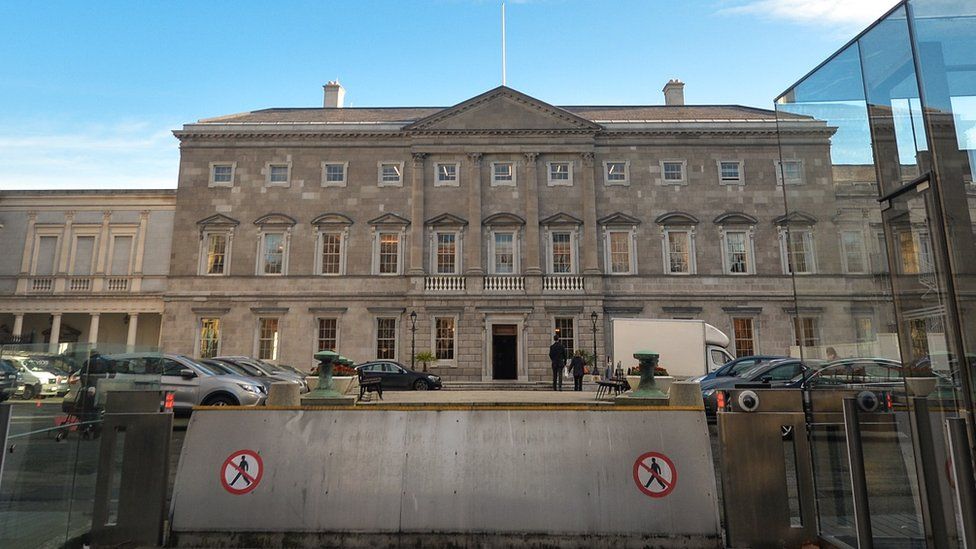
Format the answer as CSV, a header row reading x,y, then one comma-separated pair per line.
x,y
497,397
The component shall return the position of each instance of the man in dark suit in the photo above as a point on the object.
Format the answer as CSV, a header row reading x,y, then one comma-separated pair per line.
x,y
557,356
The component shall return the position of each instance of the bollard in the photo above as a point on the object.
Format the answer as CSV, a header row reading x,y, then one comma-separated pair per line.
x,y
283,394
685,393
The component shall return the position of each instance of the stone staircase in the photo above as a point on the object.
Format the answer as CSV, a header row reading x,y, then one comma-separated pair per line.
x,y
511,385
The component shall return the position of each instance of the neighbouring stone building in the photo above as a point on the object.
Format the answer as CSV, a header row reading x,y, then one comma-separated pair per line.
x,y
84,266
503,220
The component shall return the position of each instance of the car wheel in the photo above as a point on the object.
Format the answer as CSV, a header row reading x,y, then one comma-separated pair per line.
x,y
421,385
220,400
29,392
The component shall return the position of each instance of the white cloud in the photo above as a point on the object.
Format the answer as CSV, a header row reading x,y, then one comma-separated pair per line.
x,y
121,155
847,13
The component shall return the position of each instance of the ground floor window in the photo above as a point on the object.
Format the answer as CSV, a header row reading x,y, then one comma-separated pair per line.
x,y
444,338
268,339
743,330
328,335
209,337
565,329
386,338
806,331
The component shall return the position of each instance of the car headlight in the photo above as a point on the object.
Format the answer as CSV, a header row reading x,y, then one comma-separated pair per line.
x,y
249,388
433,378
708,392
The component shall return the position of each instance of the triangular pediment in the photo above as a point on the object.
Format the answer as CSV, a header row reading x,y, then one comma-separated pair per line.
x,y
561,218
503,109
389,219
218,220
447,220
331,218
276,219
618,218
795,218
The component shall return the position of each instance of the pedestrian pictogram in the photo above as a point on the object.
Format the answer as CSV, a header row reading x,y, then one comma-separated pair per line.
x,y
655,474
241,472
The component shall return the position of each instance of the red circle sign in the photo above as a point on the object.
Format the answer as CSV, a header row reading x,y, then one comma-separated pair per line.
x,y
241,472
655,474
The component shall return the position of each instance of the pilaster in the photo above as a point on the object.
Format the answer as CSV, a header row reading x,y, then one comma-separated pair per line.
x,y
591,264
417,174
532,265
473,248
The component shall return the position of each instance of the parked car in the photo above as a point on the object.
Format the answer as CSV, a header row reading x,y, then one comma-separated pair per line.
x,y
786,373
8,379
268,369
882,375
192,383
394,375
37,379
735,367
223,368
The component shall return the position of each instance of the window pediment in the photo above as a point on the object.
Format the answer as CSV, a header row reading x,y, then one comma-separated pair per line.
x,y
561,218
275,220
332,219
502,219
735,218
389,219
676,218
218,220
620,219
795,218
446,220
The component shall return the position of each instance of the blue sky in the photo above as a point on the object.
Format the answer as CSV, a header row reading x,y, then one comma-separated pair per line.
x,y
91,90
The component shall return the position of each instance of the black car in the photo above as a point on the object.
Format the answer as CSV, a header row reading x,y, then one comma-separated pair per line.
x,y
8,380
787,373
734,367
394,375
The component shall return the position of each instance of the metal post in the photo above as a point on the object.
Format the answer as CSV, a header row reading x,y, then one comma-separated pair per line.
x,y
413,338
859,484
5,412
962,472
596,369
928,471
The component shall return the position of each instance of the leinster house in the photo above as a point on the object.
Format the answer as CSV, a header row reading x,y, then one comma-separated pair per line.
x,y
474,232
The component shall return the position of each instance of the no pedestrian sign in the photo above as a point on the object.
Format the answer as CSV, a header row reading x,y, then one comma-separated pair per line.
x,y
241,472
655,474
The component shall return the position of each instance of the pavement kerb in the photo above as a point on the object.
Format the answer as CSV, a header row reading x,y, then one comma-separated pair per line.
x,y
607,407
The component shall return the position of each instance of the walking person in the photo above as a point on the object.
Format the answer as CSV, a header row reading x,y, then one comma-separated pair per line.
x,y
576,367
557,358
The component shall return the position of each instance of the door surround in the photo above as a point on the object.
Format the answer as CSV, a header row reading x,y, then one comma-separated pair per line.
x,y
518,320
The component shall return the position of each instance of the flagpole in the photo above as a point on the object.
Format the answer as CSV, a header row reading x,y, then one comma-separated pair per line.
x,y
503,43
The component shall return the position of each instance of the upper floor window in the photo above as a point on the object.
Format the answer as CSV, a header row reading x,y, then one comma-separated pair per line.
x,y
796,247
215,262
503,253
789,172
279,174
446,253
390,174
560,173
121,254
334,174
679,251
852,247
502,173
620,251
331,249
44,261
388,250
222,174
273,253
730,172
616,172
737,252
562,253
83,255
673,172
447,175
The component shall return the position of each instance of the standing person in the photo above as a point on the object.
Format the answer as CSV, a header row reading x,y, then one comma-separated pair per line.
x,y
576,367
831,354
557,358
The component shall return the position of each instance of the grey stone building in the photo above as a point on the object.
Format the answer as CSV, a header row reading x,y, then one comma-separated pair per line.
x,y
84,266
503,220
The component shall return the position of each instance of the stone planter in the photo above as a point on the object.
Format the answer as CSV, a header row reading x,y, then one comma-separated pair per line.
x,y
313,382
342,383
663,382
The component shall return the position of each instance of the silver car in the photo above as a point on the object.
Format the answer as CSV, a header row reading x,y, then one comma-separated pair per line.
x,y
192,383
270,370
38,380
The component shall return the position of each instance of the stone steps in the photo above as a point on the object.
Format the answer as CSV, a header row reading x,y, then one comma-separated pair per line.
x,y
504,385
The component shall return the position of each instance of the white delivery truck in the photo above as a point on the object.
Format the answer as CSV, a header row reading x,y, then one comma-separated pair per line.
x,y
688,348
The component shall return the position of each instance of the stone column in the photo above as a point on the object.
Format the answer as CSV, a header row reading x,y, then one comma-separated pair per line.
x,y
93,329
55,333
591,264
25,263
473,246
130,340
66,241
417,215
18,324
532,259
103,243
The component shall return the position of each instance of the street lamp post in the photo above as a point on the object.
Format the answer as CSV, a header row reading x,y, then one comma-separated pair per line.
x,y
593,319
413,338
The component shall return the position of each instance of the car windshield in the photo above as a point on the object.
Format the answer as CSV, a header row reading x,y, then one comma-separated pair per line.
x,y
240,369
742,367
206,369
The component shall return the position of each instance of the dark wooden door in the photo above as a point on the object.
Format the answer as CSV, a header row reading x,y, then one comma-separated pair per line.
x,y
504,351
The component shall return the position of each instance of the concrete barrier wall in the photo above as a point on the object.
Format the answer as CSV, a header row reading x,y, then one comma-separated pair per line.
x,y
478,471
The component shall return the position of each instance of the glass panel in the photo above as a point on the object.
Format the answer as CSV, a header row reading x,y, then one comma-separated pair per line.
x,y
328,334
216,252
274,253
268,339
386,338
562,253
389,253
444,338
331,250
504,253
446,253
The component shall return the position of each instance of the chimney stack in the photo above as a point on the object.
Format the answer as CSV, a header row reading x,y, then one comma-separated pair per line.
x,y
674,92
334,94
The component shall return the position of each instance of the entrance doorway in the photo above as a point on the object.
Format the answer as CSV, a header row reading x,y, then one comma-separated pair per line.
x,y
504,351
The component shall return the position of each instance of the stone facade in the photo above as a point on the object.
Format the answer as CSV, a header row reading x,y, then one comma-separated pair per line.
x,y
264,173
